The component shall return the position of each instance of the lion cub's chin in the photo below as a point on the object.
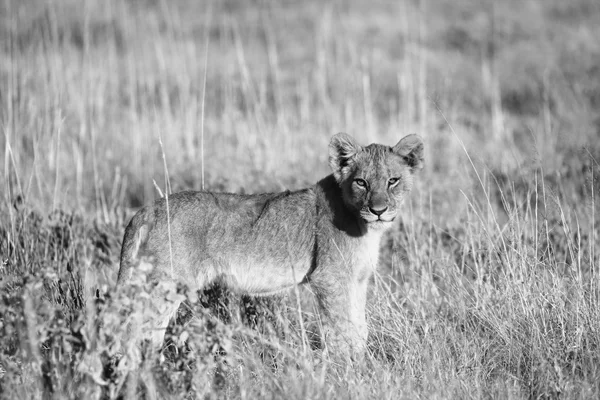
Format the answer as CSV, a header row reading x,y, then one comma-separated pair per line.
x,y
379,224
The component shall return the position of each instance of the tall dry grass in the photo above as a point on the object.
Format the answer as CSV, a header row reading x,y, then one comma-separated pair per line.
x,y
488,287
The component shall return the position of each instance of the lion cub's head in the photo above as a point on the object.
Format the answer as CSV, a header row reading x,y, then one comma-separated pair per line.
x,y
374,179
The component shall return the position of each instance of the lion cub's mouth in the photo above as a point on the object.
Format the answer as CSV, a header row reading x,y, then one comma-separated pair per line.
x,y
377,220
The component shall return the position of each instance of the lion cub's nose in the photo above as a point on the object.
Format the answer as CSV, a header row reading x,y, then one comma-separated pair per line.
x,y
378,211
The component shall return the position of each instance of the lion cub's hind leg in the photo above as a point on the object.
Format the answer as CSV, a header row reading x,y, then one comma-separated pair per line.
x,y
164,300
160,307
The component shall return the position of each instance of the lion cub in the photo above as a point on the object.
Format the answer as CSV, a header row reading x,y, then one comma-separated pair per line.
x,y
326,236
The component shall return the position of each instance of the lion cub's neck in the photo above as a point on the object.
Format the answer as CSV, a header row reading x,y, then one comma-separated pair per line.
x,y
344,233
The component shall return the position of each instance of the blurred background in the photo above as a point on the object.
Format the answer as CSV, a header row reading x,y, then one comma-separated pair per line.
x,y
488,287
247,94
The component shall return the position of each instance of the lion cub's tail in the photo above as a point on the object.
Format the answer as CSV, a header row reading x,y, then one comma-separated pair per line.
x,y
136,235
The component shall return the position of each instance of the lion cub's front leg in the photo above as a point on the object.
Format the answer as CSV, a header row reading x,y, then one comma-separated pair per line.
x,y
342,308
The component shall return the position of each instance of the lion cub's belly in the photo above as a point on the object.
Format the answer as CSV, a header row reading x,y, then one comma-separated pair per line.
x,y
250,275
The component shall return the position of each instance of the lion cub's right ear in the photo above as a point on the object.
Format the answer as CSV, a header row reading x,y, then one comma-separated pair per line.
x,y
342,150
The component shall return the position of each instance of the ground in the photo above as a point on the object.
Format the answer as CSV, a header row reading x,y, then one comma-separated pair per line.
x,y
488,287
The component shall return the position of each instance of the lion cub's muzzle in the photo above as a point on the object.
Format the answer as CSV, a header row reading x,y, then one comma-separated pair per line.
x,y
381,214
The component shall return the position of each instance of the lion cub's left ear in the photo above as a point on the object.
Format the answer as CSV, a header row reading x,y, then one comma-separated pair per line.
x,y
411,149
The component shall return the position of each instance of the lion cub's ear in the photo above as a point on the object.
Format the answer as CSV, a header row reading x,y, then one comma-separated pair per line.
x,y
342,150
411,149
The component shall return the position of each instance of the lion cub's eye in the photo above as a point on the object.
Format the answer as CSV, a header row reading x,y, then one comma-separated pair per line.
x,y
361,183
393,181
